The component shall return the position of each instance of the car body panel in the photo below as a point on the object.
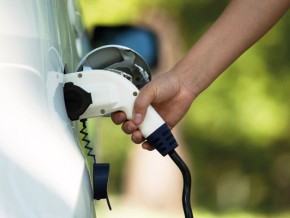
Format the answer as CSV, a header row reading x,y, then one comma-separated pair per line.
x,y
43,171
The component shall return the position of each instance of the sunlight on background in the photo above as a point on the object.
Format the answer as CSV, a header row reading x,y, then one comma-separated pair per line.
x,y
236,135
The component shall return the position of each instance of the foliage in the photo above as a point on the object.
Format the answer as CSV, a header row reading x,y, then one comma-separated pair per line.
x,y
237,130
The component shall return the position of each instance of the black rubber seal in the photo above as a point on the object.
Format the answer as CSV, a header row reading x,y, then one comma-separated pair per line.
x,y
76,99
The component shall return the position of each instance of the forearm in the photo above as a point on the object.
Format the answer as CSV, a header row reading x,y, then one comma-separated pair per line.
x,y
241,24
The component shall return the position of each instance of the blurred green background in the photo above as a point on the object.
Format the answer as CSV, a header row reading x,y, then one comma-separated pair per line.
x,y
237,131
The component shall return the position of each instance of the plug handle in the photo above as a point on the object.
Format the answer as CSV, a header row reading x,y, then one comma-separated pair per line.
x,y
163,140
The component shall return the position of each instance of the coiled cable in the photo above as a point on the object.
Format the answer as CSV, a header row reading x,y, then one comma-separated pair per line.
x,y
86,140
186,202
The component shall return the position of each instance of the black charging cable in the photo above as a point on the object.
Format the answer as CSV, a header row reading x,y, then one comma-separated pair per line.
x,y
164,142
186,203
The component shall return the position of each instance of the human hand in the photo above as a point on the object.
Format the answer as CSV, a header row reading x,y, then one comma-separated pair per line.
x,y
170,97
172,93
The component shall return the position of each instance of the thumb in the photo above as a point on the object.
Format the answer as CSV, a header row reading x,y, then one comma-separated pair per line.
x,y
145,97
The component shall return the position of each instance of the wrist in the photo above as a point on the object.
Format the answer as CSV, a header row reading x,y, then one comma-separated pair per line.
x,y
192,75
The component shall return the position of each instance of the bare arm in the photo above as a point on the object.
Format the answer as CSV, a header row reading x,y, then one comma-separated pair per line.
x,y
242,23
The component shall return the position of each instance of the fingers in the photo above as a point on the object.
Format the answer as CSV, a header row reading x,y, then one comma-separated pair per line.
x,y
143,100
118,117
138,139
147,146
129,127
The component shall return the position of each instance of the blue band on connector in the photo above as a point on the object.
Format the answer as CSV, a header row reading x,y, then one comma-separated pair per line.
x,y
163,140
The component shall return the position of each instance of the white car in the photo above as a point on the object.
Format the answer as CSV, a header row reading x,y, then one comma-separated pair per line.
x,y
42,169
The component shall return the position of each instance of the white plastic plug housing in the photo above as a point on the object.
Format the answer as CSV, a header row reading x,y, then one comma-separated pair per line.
x,y
111,92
